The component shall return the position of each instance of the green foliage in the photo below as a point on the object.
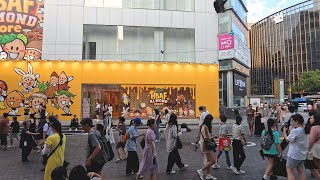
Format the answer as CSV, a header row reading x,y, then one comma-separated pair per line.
x,y
309,82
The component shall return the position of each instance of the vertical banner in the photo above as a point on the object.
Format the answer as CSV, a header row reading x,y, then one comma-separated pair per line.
x,y
281,90
21,29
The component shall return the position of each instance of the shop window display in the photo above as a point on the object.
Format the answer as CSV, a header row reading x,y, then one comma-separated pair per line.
x,y
142,100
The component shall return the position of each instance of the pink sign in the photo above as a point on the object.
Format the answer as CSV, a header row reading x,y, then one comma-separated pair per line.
x,y
226,41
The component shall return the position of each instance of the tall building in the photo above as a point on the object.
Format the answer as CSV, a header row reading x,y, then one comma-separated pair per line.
x,y
283,45
137,55
234,54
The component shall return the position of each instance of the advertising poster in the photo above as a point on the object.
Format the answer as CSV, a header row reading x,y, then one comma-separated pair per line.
x,y
239,86
255,102
226,41
86,107
21,29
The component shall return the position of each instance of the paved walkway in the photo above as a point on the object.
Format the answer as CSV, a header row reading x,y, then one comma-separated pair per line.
x,y
11,167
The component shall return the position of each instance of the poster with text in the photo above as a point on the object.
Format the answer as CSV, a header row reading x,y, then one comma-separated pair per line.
x,y
21,29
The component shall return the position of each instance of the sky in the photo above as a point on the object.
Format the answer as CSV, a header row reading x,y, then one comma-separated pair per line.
x,y
259,9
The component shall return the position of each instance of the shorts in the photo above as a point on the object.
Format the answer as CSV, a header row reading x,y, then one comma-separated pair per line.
x,y
14,135
96,167
250,121
271,155
293,163
120,145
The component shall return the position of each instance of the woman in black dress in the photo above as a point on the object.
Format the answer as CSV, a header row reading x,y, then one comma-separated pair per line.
x,y
258,126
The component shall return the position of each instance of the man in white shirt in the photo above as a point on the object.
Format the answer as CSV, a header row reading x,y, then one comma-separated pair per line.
x,y
203,114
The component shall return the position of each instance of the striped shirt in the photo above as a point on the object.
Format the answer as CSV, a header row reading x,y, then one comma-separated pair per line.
x,y
237,131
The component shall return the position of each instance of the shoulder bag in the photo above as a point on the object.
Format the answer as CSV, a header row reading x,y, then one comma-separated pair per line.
x,y
46,157
210,144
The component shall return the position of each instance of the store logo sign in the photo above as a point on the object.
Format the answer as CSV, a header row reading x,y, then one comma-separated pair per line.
x,y
226,41
158,98
240,83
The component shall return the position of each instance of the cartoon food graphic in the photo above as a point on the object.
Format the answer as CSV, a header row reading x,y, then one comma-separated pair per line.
x,y
64,79
143,105
28,80
14,45
14,100
149,111
3,54
33,51
38,100
3,94
52,86
34,34
125,99
63,100
125,112
185,111
180,112
192,113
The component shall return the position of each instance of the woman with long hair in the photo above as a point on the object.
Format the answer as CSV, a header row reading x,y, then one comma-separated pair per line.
x,y
275,150
314,139
171,134
208,155
54,148
298,147
158,122
238,142
149,163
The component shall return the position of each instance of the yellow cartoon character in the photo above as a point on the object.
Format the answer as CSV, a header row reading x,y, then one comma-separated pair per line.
x,y
63,100
14,45
14,100
38,100
3,94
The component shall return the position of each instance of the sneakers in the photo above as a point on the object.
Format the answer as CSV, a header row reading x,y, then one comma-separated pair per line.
x,y
215,166
70,129
76,129
184,167
229,167
200,173
129,174
158,140
234,170
118,160
241,171
209,176
171,172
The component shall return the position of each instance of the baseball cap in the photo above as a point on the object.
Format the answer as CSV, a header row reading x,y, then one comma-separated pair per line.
x,y
138,121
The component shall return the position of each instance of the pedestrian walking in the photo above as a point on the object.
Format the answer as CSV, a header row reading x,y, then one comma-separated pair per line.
x,y
123,137
167,115
222,109
171,135
97,110
4,131
258,124
158,122
224,142
54,149
250,118
298,147
149,162
238,142
94,159
110,109
208,154
314,139
203,114
26,141
273,150
14,130
132,166
108,125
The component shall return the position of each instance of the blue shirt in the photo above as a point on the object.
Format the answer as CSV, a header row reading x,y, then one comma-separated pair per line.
x,y
276,137
131,144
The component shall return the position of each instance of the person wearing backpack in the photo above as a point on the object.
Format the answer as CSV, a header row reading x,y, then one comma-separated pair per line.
x,y
270,144
123,137
95,160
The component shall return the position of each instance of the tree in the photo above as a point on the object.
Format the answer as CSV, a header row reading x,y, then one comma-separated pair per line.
x,y
309,82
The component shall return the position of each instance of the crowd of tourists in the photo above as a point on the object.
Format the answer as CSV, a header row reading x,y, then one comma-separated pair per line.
x,y
302,137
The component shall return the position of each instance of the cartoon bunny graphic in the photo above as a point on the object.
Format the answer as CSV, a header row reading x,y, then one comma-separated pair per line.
x,y
29,80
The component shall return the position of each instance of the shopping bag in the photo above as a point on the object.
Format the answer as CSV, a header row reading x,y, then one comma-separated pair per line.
x,y
279,168
224,144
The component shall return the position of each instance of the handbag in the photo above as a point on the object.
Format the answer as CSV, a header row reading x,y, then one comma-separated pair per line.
x,y
279,168
45,157
210,144
143,142
178,143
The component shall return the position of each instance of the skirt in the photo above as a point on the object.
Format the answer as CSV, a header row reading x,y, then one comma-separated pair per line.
x,y
148,165
316,150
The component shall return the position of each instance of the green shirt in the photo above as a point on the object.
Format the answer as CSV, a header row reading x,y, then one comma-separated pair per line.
x,y
276,137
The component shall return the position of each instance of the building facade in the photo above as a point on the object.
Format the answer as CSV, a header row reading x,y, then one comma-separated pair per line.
x,y
137,55
234,54
283,45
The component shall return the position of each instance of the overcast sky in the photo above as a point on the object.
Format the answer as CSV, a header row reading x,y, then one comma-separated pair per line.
x,y
258,9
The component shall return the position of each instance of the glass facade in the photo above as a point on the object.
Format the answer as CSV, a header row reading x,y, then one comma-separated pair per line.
x,y
285,48
138,43
173,5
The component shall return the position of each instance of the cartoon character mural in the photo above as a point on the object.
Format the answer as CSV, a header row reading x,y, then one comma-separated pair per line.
x,y
63,100
3,54
125,100
3,94
33,51
52,85
14,45
15,100
29,80
64,79
37,101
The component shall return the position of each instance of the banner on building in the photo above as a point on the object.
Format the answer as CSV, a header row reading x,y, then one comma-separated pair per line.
x,y
21,29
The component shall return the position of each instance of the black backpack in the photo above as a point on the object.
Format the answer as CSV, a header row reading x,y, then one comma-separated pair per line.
x,y
266,141
106,148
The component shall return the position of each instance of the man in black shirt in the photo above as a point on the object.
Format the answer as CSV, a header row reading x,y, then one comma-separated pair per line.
x,y
15,129
26,141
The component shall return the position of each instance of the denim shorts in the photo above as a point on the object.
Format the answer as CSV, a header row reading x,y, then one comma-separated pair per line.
x,y
293,163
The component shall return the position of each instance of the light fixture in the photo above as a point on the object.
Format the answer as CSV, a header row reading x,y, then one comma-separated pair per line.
x,y
165,62
127,61
113,61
